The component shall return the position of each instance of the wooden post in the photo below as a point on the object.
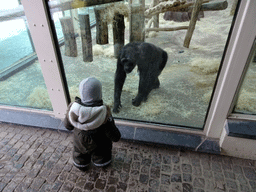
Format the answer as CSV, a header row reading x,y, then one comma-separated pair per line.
x,y
137,19
69,36
86,37
156,17
192,22
233,8
118,33
101,26
167,29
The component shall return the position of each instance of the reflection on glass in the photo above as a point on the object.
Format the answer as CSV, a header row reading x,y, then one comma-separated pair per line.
x,y
21,79
246,102
186,82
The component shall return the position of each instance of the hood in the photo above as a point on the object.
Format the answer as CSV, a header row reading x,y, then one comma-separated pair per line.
x,y
90,91
87,118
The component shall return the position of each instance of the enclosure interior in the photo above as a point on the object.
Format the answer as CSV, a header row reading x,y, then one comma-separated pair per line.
x,y
186,82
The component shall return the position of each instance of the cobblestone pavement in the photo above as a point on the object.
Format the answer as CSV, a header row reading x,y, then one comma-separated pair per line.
x,y
34,159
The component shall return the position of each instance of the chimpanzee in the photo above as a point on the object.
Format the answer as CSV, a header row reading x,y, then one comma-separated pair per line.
x,y
150,60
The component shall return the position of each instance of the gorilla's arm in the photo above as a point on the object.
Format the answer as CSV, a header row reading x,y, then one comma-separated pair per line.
x,y
120,77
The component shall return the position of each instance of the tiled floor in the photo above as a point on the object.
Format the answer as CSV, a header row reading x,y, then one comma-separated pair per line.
x,y
35,159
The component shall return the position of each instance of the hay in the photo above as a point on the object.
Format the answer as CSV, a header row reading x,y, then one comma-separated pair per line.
x,y
110,11
101,50
151,34
152,108
207,96
74,92
246,101
205,66
205,81
97,50
39,98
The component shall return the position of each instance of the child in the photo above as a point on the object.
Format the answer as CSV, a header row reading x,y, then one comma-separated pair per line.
x,y
93,125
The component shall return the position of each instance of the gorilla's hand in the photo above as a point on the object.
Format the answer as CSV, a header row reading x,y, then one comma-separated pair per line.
x,y
116,108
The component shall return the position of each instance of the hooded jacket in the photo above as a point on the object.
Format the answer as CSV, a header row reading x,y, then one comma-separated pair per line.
x,y
89,113
87,118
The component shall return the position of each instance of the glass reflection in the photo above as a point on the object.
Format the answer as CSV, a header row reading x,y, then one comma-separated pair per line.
x,y
21,80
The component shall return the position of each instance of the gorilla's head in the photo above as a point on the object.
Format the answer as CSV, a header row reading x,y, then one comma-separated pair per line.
x,y
128,65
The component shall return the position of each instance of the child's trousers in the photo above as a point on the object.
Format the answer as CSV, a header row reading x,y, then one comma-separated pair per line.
x,y
91,145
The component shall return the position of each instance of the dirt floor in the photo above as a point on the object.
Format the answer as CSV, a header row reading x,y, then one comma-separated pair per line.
x,y
186,82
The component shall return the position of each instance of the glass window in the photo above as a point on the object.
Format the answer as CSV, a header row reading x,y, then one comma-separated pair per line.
x,y
21,80
246,102
188,78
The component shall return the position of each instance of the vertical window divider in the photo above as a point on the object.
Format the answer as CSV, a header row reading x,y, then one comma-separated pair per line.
x,y
239,47
37,13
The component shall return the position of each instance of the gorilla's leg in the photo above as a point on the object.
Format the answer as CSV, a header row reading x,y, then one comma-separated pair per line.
x,y
145,86
156,84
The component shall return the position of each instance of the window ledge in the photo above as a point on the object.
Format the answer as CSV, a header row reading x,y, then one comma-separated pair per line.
x,y
240,128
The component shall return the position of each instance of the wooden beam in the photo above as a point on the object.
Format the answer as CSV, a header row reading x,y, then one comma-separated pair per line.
x,y
212,6
192,22
167,29
87,3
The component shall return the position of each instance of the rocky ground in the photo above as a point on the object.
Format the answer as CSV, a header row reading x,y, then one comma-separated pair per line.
x,y
35,159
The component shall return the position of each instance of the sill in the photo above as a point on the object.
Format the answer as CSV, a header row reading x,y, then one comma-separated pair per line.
x,y
241,129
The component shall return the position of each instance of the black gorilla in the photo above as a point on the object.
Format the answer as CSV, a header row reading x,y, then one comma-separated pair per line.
x,y
150,61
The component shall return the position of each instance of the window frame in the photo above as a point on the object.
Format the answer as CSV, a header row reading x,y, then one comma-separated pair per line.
x,y
227,83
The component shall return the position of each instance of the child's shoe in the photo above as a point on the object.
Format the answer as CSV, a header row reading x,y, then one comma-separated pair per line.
x,y
100,161
82,165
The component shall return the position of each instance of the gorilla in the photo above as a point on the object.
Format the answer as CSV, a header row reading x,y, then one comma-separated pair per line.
x,y
150,60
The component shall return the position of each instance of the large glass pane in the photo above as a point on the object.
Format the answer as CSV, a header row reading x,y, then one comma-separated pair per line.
x,y
187,80
246,102
21,80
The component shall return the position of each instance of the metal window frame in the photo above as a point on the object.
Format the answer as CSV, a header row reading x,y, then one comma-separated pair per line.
x,y
243,116
47,52
241,40
233,64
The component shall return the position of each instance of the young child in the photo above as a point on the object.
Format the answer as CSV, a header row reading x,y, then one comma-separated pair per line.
x,y
93,125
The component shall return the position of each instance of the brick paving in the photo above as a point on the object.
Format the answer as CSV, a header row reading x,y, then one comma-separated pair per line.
x,y
35,159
